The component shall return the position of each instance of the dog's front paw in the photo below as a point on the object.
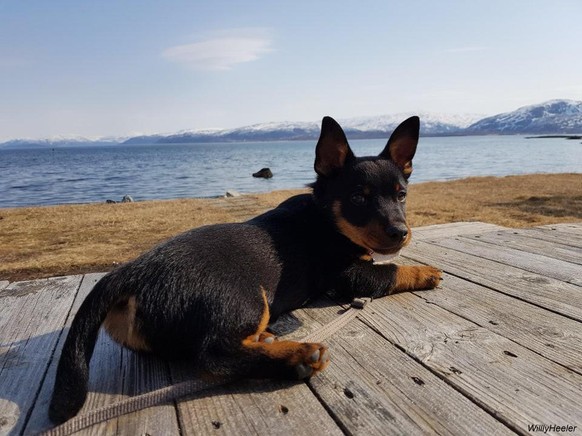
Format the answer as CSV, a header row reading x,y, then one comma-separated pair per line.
x,y
415,278
429,277
315,358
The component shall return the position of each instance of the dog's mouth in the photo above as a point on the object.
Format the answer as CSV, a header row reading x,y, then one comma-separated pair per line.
x,y
386,250
388,247
371,237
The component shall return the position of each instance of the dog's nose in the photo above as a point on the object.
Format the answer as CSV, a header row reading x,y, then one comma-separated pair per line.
x,y
397,233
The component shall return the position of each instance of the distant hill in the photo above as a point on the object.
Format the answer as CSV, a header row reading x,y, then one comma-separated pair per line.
x,y
551,117
355,128
60,141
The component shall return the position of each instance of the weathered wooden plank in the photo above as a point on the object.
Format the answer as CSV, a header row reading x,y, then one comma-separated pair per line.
x,y
517,385
543,291
570,228
105,383
143,373
39,420
372,387
115,373
551,335
535,263
31,317
525,243
253,407
452,229
547,234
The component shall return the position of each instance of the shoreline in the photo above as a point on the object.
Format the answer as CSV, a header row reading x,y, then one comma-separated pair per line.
x,y
37,144
43,241
263,193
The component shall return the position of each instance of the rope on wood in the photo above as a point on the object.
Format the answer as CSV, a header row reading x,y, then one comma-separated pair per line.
x,y
330,328
190,387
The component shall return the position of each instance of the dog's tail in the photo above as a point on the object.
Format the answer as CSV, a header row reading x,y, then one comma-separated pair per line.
x,y
70,390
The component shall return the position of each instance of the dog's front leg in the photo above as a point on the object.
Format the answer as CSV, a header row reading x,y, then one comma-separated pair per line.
x,y
365,279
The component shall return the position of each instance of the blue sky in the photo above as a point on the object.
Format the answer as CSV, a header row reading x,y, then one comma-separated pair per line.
x,y
137,66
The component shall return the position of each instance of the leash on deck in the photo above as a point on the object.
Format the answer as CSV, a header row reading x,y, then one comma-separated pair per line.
x,y
190,387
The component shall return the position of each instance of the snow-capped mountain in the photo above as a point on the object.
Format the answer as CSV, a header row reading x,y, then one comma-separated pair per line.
x,y
360,127
271,131
62,141
431,123
551,117
554,117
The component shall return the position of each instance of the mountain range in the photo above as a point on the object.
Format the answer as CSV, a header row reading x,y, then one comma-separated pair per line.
x,y
554,117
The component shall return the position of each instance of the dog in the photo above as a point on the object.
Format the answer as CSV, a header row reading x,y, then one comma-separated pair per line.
x,y
209,294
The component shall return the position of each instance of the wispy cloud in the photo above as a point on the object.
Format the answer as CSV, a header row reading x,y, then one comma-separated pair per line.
x,y
222,50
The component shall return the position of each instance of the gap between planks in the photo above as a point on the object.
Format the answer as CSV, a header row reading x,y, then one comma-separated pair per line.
x,y
535,263
485,366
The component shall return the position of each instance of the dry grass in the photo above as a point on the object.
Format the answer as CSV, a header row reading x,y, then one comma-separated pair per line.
x,y
512,201
58,240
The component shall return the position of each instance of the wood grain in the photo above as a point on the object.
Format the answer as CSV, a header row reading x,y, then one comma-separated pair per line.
x,y
553,336
114,374
536,263
253,407
518,386
375,388
566,228
550,235
452,229
547,292
31,317
552,249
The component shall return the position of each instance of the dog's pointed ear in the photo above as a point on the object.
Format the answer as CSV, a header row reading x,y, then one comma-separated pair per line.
x,y
332,149
402,144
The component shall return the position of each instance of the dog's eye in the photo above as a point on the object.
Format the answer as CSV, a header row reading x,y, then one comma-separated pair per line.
x,y
401,196
358,199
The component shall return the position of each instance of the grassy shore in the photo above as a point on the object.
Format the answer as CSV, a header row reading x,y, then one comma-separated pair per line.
x,y
59,240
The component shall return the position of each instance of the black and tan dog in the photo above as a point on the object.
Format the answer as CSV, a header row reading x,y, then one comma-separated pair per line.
x,y
208,294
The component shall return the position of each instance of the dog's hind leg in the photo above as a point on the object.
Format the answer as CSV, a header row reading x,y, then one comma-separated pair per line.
x,y
260,355
286,359
273,359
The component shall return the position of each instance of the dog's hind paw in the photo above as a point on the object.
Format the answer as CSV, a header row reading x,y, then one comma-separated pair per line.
x,y
266,337
315,359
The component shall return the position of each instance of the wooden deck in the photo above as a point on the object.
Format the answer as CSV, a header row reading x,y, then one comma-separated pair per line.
x,y
496,349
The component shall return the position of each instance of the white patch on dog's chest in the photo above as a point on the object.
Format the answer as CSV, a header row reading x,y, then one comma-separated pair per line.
x,y
380,259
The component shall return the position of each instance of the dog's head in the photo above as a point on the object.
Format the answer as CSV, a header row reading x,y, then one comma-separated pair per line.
x,y
366,196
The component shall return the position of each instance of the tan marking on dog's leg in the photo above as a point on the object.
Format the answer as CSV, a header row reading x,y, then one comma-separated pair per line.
x,y
311,355
122,325
263,322
410,278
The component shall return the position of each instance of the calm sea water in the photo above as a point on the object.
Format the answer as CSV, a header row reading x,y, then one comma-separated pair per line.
x,y
95,174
